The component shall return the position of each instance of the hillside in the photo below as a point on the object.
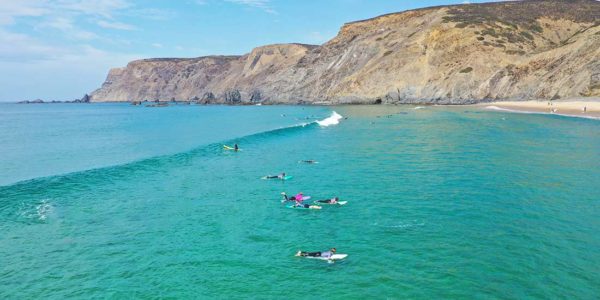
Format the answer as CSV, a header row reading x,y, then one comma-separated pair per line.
x,y
452,54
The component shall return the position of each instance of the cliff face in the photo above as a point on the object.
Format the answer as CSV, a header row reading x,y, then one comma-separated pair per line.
x,y
454,54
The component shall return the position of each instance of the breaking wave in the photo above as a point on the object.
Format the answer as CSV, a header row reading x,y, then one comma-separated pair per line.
x,y
334,119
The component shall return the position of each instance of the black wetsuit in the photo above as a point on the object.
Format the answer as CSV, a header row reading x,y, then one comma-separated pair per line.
x,y
326,254
293,198
312,254
325,201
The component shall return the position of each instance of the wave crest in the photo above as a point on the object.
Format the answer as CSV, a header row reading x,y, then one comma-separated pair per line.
x,y
334,119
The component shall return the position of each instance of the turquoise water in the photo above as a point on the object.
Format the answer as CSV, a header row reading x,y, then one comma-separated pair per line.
x,y
443,203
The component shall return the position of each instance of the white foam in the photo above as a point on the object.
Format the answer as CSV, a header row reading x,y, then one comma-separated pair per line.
x,y
401,225
43,209
38,211
493,107
334,119
419,107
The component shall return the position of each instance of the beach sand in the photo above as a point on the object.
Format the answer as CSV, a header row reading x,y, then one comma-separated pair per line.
x,y
573,108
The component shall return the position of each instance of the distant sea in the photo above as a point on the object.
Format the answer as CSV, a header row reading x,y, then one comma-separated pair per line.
x,y
119,201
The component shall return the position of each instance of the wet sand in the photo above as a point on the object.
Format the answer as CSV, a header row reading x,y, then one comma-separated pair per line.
x,y
575,108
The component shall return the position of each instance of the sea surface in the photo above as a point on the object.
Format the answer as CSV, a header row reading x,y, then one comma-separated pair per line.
x,y
117,201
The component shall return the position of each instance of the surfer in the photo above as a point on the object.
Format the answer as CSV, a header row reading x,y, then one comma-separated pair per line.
x,y
310,161
301,205
235,147
324,254
333,200
280,176
298,198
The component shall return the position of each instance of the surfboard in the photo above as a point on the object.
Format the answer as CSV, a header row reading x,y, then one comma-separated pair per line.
x,y
287,177
333,257
304,198
338,203
230,148
299,207
308,161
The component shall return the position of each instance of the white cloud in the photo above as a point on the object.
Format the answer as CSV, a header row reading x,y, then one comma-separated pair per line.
x,y
157,45
44,44
262,4
9,10
23,48
102,8
150,13
115,25
67,27
81,68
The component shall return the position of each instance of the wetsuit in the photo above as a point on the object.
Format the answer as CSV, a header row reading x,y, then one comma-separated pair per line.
x,y
328,201
324,254
293,198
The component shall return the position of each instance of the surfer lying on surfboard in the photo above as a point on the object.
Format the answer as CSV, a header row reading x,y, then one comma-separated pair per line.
x,y
280,176
299,204
333,200
323,254
299,197
309,161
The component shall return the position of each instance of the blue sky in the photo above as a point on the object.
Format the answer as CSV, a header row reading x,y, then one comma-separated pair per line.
x,y
62,49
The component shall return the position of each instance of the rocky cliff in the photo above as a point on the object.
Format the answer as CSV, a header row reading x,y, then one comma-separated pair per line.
x,y
453,54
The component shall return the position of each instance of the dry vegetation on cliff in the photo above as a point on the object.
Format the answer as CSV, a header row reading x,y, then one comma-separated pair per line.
x,y
537,49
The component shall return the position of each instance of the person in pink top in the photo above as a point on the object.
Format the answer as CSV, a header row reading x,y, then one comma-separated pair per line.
x,y
298,198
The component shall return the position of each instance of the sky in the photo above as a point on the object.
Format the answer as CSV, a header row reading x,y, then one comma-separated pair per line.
x,y
63,49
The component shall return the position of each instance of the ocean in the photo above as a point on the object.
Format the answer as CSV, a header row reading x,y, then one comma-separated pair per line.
x,y
119,201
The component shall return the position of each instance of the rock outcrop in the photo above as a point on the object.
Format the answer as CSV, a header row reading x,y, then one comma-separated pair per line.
x,y
452,54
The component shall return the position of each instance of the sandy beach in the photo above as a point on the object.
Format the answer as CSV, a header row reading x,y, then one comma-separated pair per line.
x,y
576,108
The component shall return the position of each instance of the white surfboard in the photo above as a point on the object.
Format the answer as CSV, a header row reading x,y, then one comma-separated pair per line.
x,y
338,203
333,257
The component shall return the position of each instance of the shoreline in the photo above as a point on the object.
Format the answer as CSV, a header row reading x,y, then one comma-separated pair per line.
x,y
571,108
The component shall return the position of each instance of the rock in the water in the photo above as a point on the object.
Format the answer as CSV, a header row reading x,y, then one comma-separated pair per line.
x,y
36,101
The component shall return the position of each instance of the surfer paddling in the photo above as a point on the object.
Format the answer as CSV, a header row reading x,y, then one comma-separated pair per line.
x,y
299,204
323,254
299,197
309,161
298,201
334,200
280,176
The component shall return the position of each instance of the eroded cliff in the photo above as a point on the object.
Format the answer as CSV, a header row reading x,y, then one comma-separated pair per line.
x,y
454,54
